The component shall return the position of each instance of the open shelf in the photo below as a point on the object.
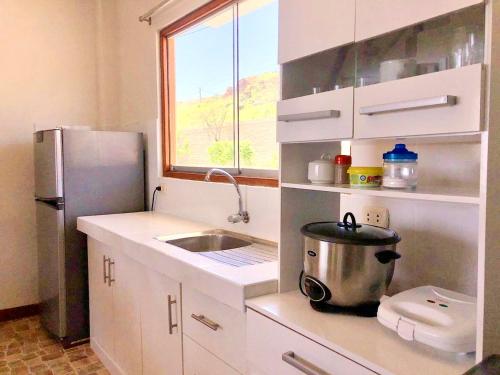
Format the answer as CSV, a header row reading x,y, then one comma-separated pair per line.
x,y
451,195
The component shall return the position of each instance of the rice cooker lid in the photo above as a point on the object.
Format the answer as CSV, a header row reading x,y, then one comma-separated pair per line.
x,y
350,233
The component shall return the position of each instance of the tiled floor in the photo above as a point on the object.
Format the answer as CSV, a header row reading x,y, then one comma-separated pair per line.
x,y
25,348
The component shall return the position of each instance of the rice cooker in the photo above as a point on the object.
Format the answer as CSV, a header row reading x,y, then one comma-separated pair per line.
x,y
348,264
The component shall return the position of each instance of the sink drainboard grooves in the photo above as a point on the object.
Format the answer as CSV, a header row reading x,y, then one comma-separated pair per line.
x,y
240,257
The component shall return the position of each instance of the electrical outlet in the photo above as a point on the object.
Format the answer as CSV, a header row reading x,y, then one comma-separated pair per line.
x,y
163,187
378,216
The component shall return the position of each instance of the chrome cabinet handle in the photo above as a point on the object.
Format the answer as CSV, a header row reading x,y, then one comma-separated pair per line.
x,y
436,101
301,364
110,279
318,115
203,320
105,260
171,326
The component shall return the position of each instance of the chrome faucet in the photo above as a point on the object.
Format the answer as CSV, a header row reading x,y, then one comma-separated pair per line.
x,y
242,215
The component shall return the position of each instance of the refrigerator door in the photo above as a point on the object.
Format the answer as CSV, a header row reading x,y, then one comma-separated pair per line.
x,y
50,234
48,163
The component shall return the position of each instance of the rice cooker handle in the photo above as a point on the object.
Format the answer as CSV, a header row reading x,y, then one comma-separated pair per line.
x,y
386,256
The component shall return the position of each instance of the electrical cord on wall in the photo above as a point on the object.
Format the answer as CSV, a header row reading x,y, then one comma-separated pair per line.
x,y
158,188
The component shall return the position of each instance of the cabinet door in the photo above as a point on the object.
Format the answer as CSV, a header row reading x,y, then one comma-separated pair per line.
x,y
307,27
276,349
419,105
100,301
376,17
322,116
215,326
161,324
126,317
199,361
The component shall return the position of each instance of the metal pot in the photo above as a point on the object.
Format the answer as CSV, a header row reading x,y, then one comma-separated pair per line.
x,y
347,264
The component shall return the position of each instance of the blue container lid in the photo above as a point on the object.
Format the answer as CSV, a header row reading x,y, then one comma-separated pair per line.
x,y
400,152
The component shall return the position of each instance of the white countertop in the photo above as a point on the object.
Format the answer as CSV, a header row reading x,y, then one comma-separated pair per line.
x,y
134,233
364,340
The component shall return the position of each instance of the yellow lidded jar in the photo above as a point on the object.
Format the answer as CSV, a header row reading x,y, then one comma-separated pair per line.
x,y
365,176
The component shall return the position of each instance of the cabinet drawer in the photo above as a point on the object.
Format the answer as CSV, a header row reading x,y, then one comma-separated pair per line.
x,y
417,105
376,17
199,361
323,116
217,327
306,28
275,349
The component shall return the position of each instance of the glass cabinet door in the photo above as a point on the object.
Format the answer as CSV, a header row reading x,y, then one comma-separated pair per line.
x,y
451,41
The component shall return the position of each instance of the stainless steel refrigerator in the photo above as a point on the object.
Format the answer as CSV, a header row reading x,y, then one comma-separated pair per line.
x,y
78,173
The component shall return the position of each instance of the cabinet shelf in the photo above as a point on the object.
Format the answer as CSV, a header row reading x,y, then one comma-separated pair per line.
x,y
437,194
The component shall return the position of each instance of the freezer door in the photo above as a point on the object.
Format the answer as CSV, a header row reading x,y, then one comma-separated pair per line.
x,y
51,284
48,163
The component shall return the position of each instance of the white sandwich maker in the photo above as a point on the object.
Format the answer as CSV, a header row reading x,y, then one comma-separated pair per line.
x,y
433,316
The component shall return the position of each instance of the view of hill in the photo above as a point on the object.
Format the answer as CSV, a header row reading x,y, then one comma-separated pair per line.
x,y
204,127
258,96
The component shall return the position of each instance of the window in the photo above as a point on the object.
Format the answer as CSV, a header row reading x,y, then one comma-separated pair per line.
x,y
220,87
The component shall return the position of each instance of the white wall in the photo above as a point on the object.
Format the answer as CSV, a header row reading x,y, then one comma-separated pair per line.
x,y
88,62
439,240
138,111
48,77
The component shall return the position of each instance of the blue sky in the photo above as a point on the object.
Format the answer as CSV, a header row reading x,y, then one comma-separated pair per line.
x,y
203,55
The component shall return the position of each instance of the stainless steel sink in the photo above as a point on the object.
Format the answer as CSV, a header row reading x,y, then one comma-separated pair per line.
x,y
226,247
209,242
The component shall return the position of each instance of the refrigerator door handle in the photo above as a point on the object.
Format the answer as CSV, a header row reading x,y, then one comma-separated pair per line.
x,y
57,203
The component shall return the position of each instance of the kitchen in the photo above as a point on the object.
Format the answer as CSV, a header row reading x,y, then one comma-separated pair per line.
x,y
427,78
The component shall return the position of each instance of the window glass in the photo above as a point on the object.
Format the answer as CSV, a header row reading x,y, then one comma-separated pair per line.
x,y
202,119
223,84
258,85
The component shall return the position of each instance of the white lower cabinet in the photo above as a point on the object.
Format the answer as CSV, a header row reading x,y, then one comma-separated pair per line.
x,y
101,300
160,300
135,315
275,349
126,317
115,329
218,328
137,324
199,361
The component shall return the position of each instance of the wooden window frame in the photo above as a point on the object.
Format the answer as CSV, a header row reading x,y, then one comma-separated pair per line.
x,y
166,61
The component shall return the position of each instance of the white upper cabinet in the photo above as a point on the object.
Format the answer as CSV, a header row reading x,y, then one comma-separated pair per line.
x,y
317,96
444,102
376,17
327,115
422,79
308,27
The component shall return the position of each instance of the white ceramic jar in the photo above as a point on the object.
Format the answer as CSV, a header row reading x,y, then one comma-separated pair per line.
x,y
321,171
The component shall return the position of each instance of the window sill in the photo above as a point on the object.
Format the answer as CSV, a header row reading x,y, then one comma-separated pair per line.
x,y
242,180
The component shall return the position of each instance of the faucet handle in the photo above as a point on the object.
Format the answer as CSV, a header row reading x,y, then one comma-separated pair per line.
x,y
236,218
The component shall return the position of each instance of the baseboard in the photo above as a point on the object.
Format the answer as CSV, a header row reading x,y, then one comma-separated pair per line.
x,y
106,360
19,312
